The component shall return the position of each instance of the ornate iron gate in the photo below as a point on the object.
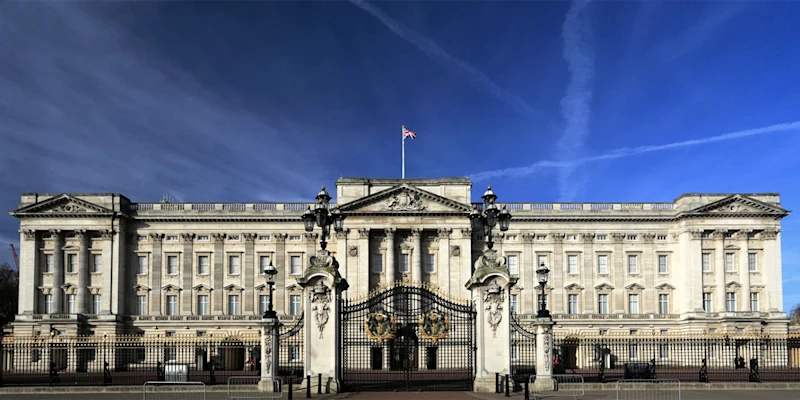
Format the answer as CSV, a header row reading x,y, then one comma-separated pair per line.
x,y
407,338
523,351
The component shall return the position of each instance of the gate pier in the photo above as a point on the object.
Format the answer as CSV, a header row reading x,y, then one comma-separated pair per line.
x,y
490,284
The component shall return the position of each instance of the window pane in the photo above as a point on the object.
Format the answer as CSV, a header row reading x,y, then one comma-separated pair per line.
x,y
377,263
404,263
602,264
631,264
233,265
142,265
706,262
751,262
295,268
662,264
430,263
513,266
572,264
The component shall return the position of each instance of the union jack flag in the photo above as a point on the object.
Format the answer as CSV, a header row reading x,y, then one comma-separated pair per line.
x,y
408,133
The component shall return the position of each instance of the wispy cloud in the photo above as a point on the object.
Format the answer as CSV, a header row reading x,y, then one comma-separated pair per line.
x,y
632,151
576,104
435,52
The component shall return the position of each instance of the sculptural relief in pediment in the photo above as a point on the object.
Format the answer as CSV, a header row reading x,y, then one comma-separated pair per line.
x,y
404,198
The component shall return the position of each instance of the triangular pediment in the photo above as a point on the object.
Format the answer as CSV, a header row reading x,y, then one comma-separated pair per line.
x,y
604,286
733,285
62,205
404,198
738,204
202,288
634,286
573,286
665,286
141,288
233,287
170,288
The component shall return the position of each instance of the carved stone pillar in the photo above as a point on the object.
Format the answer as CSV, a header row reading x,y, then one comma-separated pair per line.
x,y
84,238
110,272
187,273
391,274
443,271
283,272
544,355
218,274
490,284
589,272
250,267
156,274
743,237
58,271
719,269
29,272
416,256
270,345
341,254
649,269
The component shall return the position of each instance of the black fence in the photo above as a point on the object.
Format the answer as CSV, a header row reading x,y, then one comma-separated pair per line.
x,y
695,358
134,360
523,350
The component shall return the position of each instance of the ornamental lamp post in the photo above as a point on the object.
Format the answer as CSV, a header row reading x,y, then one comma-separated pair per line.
x,y
270,271
483,222
323,217
541,274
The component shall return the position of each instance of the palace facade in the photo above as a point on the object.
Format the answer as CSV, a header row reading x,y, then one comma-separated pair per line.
x,y
102,264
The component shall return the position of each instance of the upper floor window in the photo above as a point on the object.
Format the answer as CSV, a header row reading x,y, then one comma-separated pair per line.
x,y
294,238
142,238
513,265
264,238
631,237
202,265
751,262
729,262
602,303
430,263
202,304
233,304
172,238
602,237
540,260
172,265
541,237
572,238
263,262
663,303
730,301
572,304
662,264
294,305
233,265
661,237
602,264
708,302
203,238
572,264
72,304
97,262
633,303
295,266
377,263
706,262
754,302
96,304
233,238
404,264
141,305
142,265
48,304
172,305
632,268
72,263
48,263
513,304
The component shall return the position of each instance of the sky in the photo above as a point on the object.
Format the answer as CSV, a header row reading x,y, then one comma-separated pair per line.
x,y
267,100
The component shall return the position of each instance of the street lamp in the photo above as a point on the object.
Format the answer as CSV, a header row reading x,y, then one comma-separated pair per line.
x,y
541,274
488,219
270,271
323,217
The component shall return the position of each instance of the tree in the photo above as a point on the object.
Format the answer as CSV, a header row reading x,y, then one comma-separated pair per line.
x,y
9,293
794,315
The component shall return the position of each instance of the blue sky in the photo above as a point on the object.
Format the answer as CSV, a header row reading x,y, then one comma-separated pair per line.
x,y
266,100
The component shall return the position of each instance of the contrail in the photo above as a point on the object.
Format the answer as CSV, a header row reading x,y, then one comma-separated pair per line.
x,y
632,151
576,105
433,50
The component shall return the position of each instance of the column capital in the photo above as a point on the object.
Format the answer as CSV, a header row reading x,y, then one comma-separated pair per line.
x,y
249,237
311,236
557,237
444,233
528,237
218,237
743,234
769,234
649,237
466,233
187,237
696,233
363,233
57,233
416,233
30,234
587,237
156,237
390,232
81,234
342,234
618,237
281,237
106,234
719,234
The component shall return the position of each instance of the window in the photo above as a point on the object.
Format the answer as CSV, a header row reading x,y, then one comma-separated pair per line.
x,y
602,237
203,238
294,238
264,238
572,264
72,303
172,238
295,268
263,304
708,304
729,262
631,237
751,262
295,352
263,262
233,265
704,235
511,238
663,303
48,304
632,265
142,238
513,265
202,265
294,305
663,351
602,264
233,304
141,305
404,264
172,265
48,263
172,305
540,260
541,237
572,238
730,302
602,303
754,302
377,263
142,265
661,237
572,304
662,264
233,238
633,303
514,305
430,263
97,262
633,351
72,262
202,304
96,301
706,262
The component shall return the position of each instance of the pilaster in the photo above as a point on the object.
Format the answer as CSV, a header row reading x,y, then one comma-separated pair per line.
x,y
416,256
649,269
772,274
719,269
589,274
28,271
744,267
341,255
155,274
362,277
443,267
250,269
84,238
110,271
618,275
558,271
528,274
283,273
462,251
58,271
187,272
217,274
391,273
690,291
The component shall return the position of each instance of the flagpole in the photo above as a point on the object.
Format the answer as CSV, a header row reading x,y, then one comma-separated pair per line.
x,y
403,135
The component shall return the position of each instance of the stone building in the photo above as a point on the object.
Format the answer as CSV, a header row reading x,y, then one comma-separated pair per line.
x,y
100,263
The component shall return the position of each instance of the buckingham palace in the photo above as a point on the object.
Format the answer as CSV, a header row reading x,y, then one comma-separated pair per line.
x,y
101,265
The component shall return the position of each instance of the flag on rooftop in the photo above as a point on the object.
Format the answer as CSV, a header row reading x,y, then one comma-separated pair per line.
x,y
408,133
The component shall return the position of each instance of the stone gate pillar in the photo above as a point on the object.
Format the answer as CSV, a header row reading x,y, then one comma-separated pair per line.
x,y
490,284
322,288
270,346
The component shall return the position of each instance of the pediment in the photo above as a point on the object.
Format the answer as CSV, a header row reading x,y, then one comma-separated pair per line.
x,y
738,204
733,285
665,286
232,287
634,286
573,286
202,288
170,288
731,247
604,286
63,205
141,288
404,198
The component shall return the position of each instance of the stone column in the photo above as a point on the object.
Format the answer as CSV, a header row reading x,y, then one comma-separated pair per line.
x,y
618,273
744,267
322,288
362,276
29,272
443,267
156,274
250,267
218,274
109,267
391,274
341,253
270,349
187,273
463,259
689,273
771,273
283,273
589,274
649,269
558,272
544,355
719,269
58,271
490,285
527,274
416,256
84,238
